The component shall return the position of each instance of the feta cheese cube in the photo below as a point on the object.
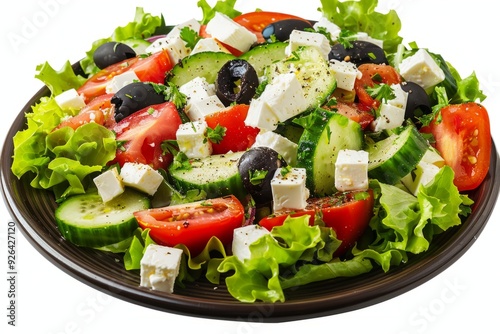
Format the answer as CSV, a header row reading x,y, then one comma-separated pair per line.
x,y
422,69
109,184
198,109
401,97
121,80
243,237
390,117
209,45
330,27
260,115
285,96
432,156
351,170
191,138
289,190
420,176
140,176
227,31
193,24
197,89
159,267
346,74
363,36
70,100
305,38
175,47
285,147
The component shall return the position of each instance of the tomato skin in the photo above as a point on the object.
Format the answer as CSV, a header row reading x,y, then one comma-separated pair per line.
x,y
95,111
151,69
194,224
463,137
143,132
257,21
239,136
356,112
387,75
347,214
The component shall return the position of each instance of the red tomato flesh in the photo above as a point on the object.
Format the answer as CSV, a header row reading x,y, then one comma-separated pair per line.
x,y
462,134
193,224
95,111
374,74
142,133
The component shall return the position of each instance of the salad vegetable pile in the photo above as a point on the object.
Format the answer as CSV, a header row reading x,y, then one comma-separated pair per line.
x,y
273,150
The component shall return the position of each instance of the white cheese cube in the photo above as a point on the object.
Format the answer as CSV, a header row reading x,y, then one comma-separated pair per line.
x,y
197,89
285,147
346,74
420,176
159,267
209,45
285,96
191,138
243,237
121,80
198,109
109,184
193,24
227,31
422,69
305,38
390,117
260,115
289,190
400,99
140,176
363,36
351,170
175,47
70,100
432,156
330,27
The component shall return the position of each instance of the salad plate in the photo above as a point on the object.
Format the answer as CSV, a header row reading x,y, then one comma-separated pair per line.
x,y
33,211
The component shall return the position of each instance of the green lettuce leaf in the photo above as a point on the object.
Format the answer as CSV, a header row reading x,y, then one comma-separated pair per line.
x,y
361,16
58,81
222,6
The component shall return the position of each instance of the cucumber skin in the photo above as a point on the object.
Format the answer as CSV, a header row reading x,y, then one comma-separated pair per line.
x,y
264,55
403,161
97,236
205,180
345,134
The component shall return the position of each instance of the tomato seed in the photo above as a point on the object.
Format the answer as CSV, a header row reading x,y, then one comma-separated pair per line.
x,y
472,159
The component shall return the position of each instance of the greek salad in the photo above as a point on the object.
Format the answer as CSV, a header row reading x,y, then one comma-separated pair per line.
x,y
259,150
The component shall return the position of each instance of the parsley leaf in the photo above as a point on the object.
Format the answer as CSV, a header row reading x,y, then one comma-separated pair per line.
x,y
381,92
190,37
257,176
216,135
443,101
346,37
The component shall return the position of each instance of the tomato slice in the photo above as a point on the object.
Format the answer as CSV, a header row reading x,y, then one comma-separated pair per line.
x,y
278,218
149,69
96,111
142,133
463,138
257,21
193,224
239,136
374,74
356,112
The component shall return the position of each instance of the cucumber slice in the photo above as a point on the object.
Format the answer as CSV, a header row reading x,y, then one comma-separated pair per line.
x,y
217,175
325,134
87,221
394,157
203,64
138,45
313,72
264,55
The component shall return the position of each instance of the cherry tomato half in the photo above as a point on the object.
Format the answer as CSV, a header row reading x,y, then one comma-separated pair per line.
x,y
374,74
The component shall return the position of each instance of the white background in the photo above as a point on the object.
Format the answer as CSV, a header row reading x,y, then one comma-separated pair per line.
x,y
461,299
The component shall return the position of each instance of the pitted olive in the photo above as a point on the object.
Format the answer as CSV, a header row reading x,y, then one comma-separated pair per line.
x,y
111,53
418,103
361,52
237,82
282,29
134,97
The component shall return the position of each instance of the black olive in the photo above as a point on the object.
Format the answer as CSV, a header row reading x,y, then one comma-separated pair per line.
x,y
257,167
237,82
282,29
134,97
361,52
418,103
111,53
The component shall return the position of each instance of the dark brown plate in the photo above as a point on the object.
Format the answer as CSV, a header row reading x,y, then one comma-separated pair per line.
x,y
33,210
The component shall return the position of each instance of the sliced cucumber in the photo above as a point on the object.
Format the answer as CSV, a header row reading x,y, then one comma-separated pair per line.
x,y
325,134
397,155
203,64
264,55
217,175
138,45
312,70
86,220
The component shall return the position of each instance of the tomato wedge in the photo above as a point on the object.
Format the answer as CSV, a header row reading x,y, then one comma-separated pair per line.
x,y
239,136
141,134
193,224
463,137
151,69
356,112
96,111
277,219
257,21
374,74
